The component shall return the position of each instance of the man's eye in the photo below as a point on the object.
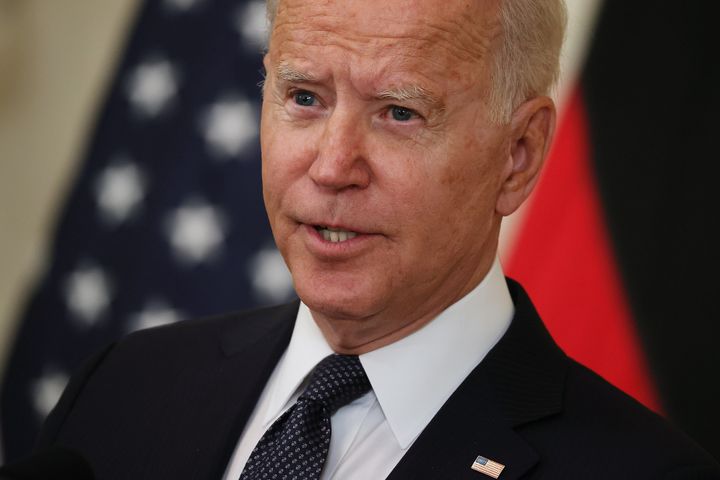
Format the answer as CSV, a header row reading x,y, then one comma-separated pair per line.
x,y
402,114
304,99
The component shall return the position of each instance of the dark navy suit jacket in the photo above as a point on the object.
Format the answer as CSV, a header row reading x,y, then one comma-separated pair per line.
x,y
171,402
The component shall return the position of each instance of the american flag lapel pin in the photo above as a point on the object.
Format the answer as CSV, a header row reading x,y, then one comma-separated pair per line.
x,y
488,467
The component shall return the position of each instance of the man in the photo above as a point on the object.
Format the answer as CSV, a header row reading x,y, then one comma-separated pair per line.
x,y
395,137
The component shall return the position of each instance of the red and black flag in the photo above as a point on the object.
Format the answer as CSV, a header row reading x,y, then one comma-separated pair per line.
x,y
619,248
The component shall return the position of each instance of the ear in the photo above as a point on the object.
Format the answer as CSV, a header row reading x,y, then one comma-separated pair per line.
x,y
532,127
265,69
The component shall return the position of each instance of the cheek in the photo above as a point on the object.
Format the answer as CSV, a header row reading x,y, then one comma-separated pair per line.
x,y
475,173
286,156
460,202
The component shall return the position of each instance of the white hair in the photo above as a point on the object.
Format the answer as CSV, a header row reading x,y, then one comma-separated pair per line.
x,y
526,61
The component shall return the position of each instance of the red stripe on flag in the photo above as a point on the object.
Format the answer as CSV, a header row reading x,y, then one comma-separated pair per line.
x,y
563,258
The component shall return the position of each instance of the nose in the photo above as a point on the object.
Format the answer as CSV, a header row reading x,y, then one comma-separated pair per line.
x,y
341,161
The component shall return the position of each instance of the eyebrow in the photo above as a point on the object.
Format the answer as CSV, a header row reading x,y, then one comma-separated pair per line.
x,y
409,93
287,73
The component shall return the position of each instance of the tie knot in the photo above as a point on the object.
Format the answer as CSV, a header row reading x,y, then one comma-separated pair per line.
x,y
336,381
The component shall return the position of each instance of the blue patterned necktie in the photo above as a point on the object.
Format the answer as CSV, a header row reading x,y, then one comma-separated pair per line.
x,y
296,445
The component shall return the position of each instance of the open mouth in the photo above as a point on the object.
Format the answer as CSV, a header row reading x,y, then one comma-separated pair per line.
x,y
335,235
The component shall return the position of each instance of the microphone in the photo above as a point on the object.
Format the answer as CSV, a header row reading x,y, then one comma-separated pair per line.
x,y
54,463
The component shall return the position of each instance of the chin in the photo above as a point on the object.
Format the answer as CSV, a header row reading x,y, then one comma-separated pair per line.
x,y
341,300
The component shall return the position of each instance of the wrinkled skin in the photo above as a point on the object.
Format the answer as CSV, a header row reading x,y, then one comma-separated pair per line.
x,y
374,120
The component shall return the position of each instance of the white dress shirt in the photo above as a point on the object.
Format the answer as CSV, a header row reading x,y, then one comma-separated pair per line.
x,y
411,379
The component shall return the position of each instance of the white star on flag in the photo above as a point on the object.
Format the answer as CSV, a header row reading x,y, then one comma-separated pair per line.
x,y
196,231
152,86
87,294
46,391
155,314
119,191
181,5
251,22
228,126
270,277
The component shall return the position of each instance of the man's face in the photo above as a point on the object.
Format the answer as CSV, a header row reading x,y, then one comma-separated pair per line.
x,y
381,169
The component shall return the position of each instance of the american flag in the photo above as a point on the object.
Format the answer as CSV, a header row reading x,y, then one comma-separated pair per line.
x,y
164,220
488,467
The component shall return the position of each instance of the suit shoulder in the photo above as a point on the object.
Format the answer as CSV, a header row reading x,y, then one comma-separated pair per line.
x,y
605,433
589,395
618,425
241,324
200,376
188,345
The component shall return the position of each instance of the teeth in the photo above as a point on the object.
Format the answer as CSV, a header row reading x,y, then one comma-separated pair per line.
x,y
336,235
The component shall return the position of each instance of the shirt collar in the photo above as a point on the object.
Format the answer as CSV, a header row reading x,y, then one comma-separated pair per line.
x,y
306,349
445,350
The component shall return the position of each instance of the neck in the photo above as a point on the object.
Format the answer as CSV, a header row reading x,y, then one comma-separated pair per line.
x,y
355,336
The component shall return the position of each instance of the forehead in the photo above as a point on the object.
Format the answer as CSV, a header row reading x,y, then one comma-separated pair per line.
x,y
427,35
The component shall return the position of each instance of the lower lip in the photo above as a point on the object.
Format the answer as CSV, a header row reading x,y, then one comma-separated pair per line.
x,y
335,250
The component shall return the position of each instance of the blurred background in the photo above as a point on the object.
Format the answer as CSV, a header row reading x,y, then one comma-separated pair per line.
x,y
130,193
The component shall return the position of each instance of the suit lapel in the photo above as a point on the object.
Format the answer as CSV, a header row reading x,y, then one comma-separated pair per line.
x,y
468,425
250,349
521,380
